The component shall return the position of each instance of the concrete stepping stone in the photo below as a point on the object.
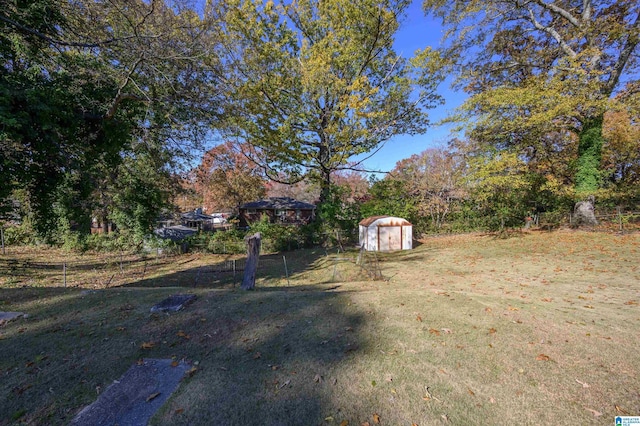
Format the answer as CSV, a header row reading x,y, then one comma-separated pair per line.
x,y
6,317
134,398
174,303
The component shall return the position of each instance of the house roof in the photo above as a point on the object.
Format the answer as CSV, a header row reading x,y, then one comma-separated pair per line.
x,y
195,215
384,221
174,233
278,203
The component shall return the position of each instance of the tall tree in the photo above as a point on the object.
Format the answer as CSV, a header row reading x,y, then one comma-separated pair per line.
x,y
82,82
539,66
317,82
434,178
226,178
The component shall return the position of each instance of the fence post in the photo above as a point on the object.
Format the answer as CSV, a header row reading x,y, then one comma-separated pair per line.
x,y
234,272
286,271
2,237
619,217
64,274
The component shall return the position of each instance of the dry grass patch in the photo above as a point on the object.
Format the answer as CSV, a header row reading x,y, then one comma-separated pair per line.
x,y
536,329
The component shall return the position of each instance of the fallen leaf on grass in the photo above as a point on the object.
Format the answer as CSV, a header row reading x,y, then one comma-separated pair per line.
x,y
183,334
191,371
584,385
446,330
175,364
376,418
365,424
344,423
492,400
179,411
419,318
631,302
620,410
153,396
547,299
511,308
492,330
470,392
542,357
434,331
594,412
445,417
588,306
147,345
257,355
487,310
317,378
328,419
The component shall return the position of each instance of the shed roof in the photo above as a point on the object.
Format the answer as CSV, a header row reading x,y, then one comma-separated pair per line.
x,y
384,221
280,203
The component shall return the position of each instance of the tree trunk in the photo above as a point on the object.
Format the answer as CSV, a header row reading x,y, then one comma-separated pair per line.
x,y
253,254
584,213
589,156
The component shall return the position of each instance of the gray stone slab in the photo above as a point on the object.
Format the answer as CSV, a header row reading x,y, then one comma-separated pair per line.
x,y
130,400
9,316
174,303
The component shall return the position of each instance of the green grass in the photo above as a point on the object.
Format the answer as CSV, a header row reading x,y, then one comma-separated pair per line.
x,y
540,328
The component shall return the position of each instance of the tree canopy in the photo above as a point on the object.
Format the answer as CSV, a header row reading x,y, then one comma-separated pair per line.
x,y
90,87
314,83
535,67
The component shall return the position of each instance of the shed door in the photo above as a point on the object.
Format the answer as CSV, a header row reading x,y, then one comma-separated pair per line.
x,y
395,238
389,238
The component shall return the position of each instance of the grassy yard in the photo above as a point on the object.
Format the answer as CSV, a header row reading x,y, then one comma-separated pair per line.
x,y
538,328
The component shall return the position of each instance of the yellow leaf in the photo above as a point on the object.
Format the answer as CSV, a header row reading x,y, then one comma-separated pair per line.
x,y
619,409
419,318
344,423
492,330
174,363
542,357
376,418
183,334
147,345
434,331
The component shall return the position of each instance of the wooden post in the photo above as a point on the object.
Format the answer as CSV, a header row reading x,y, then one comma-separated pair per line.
x,y
64,274
2,237
234,273
253,254
286,271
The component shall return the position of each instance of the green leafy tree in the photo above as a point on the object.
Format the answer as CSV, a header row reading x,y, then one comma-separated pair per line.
x,y
536,67
81,83
315,83
500,187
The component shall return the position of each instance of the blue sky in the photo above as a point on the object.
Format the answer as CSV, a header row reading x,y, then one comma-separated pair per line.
x,y
416,32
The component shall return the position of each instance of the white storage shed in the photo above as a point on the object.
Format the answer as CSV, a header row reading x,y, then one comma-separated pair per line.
x,y
386,233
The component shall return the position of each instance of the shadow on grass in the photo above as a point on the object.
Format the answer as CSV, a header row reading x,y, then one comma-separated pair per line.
x,y
266,357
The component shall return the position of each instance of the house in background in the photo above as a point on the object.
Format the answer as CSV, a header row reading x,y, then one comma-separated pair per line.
x,y
283,210
203,222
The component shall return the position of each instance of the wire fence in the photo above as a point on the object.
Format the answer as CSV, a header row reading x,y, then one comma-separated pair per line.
x,y
617,220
